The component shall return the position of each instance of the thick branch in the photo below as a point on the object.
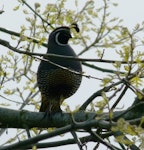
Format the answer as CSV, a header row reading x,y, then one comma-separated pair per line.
x,y
82,120
26,119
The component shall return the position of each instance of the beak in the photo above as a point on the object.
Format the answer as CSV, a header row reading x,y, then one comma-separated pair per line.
x,y
70,36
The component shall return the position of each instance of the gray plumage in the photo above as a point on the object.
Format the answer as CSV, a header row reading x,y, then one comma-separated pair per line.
x,y
55,83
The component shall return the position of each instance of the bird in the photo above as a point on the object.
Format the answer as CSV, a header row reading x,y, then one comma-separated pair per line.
x,y
58,78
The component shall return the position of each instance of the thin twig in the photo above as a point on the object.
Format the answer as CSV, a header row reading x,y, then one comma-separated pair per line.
x,y
77,140
103,69
6,44
43,20
20,35
102,141
98,93
33,140
119,98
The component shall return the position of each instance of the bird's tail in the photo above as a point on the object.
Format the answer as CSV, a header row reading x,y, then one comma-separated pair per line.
x,y
50,105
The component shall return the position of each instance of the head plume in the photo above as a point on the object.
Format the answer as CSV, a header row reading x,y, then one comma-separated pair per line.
x,y
75,26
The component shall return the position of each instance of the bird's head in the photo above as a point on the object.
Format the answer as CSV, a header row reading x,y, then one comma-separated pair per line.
x,y
61,35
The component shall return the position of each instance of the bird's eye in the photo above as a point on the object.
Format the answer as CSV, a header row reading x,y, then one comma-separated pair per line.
x,y
62,38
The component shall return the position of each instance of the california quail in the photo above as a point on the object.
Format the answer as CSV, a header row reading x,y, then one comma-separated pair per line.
x,y
55,83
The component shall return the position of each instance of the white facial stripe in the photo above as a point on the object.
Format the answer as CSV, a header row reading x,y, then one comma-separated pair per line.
x,y
61,29
56,39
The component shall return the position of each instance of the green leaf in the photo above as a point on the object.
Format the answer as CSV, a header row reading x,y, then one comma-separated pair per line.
x,y
16,8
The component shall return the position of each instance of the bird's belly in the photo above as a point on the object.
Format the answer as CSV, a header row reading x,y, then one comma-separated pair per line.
x,y
59,82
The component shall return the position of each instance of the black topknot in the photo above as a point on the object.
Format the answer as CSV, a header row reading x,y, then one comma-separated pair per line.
x,y
75,26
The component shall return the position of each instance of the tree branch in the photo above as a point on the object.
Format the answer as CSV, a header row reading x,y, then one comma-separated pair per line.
x,y
37,138
102,140
10,32
43,20
64,142
6,44
102,69
26,119
83,140
98,93
83,120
